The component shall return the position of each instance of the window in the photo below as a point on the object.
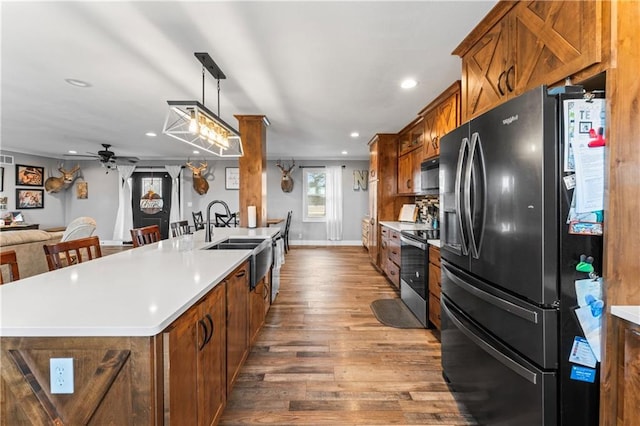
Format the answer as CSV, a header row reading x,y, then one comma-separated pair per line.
x,y
314,201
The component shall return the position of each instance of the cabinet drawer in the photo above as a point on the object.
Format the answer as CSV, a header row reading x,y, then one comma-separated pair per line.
x,y
393,273
434,310
384,232
394,253
435,284
394,236
434,255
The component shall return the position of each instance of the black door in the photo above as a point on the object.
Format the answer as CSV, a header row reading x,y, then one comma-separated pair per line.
x,y
151,200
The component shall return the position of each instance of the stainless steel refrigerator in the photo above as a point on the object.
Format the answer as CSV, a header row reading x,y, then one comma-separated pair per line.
x,y
508,269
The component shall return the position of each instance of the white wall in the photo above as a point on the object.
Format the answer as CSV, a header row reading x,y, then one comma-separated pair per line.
x,y
355,203
102,203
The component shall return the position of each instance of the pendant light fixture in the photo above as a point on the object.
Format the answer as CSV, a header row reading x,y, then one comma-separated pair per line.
x,y
193,123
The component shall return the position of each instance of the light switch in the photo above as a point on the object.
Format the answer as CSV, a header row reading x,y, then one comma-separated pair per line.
x,y
61,373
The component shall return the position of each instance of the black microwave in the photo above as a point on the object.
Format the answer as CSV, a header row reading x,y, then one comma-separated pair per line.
x,y
429,177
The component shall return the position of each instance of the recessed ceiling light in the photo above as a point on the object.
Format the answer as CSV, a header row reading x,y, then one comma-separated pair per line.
x,y
196,152
71,151
77,83
151,134
409,83
344,152
355,134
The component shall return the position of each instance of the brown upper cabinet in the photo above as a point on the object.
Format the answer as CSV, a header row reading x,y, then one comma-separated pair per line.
x,y
441,116
521,45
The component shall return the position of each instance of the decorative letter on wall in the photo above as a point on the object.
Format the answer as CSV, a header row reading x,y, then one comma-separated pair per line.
x,y
360,180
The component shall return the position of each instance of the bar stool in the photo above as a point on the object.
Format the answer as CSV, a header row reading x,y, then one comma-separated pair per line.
x,y
68,253
9,258
179,228
145,235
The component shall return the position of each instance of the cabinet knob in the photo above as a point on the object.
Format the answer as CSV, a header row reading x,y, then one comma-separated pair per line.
x,y
408,183
205,333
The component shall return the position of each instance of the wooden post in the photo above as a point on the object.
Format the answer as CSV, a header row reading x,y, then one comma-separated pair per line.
x,y
253,168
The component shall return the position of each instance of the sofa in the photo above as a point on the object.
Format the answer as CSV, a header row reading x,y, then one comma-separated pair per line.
x,y
28,247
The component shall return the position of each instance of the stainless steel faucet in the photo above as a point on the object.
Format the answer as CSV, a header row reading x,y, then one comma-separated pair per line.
x,y
207,234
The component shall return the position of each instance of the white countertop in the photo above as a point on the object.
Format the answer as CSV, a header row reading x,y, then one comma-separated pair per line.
x,y
629,313
137,292
409,226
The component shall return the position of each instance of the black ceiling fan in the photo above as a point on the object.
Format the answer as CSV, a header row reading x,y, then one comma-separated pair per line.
x,y
106,156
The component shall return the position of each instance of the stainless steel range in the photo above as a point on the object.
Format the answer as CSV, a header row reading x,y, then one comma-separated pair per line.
x,y
414,272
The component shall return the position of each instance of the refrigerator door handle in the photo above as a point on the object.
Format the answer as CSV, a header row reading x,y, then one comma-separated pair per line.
x,y
504,305
464,146
520,370
479,182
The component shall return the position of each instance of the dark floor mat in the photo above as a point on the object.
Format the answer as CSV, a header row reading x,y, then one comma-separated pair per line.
x,y
394,313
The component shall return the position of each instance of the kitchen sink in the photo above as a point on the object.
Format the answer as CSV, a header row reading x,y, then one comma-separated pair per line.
x,y
261,255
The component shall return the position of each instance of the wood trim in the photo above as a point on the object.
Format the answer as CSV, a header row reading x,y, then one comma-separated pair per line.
x,y
621,245
492,18
449,91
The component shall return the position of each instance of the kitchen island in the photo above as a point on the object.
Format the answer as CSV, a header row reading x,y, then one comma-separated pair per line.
x,y
152,333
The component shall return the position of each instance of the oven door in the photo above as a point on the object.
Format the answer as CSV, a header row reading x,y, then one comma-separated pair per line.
x,y
414,277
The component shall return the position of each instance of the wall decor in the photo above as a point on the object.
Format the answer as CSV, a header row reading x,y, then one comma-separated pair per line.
x,y
29,175
360,180
3,203
29,198
232,178
1,178
82,190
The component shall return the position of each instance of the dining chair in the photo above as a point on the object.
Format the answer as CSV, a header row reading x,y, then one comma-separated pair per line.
x,y
222,220
285,235
179,228
66,253
9,258
81,227
145,235
198,221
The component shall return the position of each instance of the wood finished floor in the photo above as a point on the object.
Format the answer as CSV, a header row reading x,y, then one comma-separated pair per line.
x,y
322,358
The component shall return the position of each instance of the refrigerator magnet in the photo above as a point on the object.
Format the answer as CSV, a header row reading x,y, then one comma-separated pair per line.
x,y
583,374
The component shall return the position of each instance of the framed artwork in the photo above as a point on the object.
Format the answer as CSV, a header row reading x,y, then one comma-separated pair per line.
x,y
1,179
29,198
29,175
82,190
232,178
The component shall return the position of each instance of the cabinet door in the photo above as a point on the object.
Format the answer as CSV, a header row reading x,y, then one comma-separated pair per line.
x,y
256,316
237,322
211,360
448,118
373,222
373,161
416,176
629,375
553,40
484,68
405,174
180,347
431,132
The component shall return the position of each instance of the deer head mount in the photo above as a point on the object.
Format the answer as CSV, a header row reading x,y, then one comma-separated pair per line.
x,y
58,183
200,184
286,182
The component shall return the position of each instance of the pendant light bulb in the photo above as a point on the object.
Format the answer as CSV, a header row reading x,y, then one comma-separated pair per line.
x,y
193,123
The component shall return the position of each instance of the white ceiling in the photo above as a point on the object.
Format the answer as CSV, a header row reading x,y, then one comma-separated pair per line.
x,y
317,70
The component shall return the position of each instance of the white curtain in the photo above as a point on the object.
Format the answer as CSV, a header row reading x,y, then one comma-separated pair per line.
x,y
334,203
124,218
175,214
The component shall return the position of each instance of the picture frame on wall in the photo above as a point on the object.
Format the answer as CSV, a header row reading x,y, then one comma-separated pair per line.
x,y
1,179
232,178
29,175
29,198
82,190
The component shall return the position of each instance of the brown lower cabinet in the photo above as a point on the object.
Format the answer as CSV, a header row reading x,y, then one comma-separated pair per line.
x,y
260,302
390,255
182,375
627,371
194,363
435,286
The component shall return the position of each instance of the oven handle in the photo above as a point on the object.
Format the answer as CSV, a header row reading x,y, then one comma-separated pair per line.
x,y
413,243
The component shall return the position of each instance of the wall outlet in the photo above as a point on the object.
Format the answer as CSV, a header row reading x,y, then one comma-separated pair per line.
x,y
61,373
